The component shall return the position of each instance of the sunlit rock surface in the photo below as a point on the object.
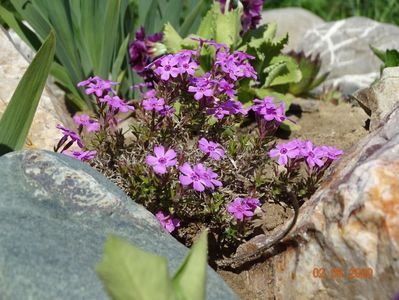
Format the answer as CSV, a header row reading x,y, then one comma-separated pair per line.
x,y
344,47
51,109
379,99
55,214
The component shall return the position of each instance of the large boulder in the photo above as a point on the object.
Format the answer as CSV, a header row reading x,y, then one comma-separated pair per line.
x,y
345,51
379,99
294,21
345,244
51,109
55,214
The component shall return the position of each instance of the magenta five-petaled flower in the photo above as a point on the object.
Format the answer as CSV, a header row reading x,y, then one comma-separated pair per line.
x,y
268,110
211,148
154,104
68,133
116,104
81,155
285,151
242,208
162,159
297,149
168,222
84,120
168,67
98,86
199,177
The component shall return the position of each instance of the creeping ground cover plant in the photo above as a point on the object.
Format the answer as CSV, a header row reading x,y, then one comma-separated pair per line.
x,y
191,152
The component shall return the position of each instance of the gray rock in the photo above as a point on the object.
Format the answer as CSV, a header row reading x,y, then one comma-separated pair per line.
x,y
345,51
55,214
379,99
348,228
294,21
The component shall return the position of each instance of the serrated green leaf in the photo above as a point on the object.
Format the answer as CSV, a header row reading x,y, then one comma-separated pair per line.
x,y
228,25
129,273
207,27
189,281
18,116
172,40
379,53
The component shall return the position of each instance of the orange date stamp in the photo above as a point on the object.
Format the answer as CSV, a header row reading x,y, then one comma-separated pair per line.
x,y
341,273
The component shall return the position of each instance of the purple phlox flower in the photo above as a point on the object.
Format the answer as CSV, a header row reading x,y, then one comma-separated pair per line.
x,y
242,208
167,111
84,120
210,148
234,107
98,86
218,112
285,152
234,65
162,159
202,88
268,110
186,65
193,176
227,88
71,134
210,179
168,222
168,67
331,152
154,104
150,93
313,155
81,155
117,104
141,50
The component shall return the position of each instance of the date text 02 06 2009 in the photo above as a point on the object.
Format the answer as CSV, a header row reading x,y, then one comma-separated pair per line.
x,y
340,273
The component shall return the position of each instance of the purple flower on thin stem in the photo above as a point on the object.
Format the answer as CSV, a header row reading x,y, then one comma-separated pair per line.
x,y
202,87
210,179
242,208
332,153
313,155
168,67
84,120
210,148
268,110
227,88
68,133
193,176
167,111
162,160
168,222
284,152
98,86
185,63
81,155
154,104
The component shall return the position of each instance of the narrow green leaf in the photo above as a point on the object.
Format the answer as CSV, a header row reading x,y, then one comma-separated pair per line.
x,y
190,280
18,116
117,65
129,273
191,17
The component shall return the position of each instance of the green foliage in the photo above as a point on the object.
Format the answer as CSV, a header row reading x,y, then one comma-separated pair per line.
x,y
275,70
18,116
310,68
389,57
93,36
380,10
129,273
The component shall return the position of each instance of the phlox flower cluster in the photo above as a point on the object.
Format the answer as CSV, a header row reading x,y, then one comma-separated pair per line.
x,y
296,150
168,222
242,208
216,89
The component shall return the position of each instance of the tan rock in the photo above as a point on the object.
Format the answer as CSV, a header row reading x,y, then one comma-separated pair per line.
x,y
345,244
379,99
51,110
